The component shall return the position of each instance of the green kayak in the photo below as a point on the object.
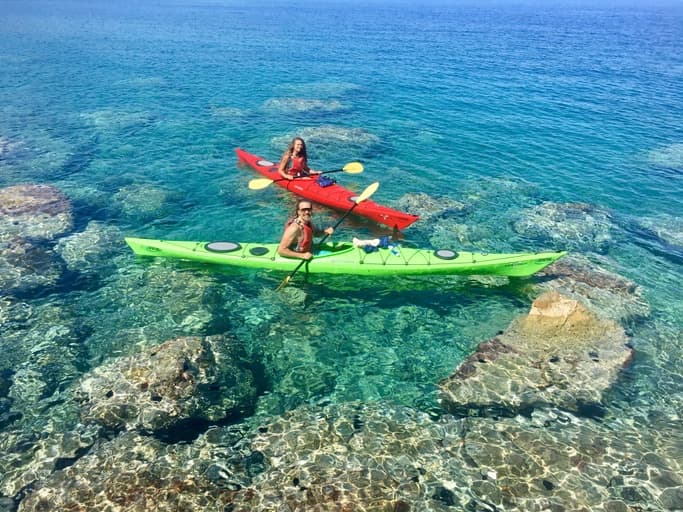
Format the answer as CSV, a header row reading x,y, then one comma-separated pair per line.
x,y
345,258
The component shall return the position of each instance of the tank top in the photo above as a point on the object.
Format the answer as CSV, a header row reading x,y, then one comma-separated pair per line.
x,y
298,166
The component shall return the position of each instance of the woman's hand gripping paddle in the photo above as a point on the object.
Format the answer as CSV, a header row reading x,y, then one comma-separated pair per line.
x,y
366,194
351,168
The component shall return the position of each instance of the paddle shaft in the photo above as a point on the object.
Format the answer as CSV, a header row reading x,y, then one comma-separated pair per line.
x,y
309,175
351,168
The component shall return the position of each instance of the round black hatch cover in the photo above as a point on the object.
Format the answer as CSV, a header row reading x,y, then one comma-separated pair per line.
x,y
258,251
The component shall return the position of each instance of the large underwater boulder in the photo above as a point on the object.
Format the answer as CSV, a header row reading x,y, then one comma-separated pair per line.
x,y
559,355
39,212
184,379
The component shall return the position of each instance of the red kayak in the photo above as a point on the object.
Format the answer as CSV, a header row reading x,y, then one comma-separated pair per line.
x,y
333,195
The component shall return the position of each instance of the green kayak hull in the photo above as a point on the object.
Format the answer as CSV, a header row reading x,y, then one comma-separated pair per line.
x,y
345,258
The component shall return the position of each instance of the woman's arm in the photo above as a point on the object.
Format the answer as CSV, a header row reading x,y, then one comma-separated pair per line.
x,y
282,168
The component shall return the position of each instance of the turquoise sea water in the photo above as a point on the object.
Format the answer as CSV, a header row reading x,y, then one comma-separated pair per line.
x,y
134,109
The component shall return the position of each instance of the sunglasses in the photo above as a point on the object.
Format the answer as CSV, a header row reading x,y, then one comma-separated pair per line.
x,y
305,209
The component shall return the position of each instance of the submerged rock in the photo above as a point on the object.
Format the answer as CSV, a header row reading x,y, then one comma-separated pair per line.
x,y
89,250
431,208
143,201
572,226
111,119
331,141
668,228
29,216
188,378
43,351
376,456
613,296
28,456
156,300
559,355
356,456
662,235
26,266
300,105
39,212
8,146
670,156
569,463
131,472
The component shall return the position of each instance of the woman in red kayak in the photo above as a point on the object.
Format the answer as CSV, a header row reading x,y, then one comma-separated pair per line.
x,y
294,161
297,240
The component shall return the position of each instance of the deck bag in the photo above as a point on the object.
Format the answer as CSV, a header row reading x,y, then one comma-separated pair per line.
x,y
324,181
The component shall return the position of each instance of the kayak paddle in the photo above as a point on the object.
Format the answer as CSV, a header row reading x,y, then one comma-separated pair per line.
x,y
366,194
351,168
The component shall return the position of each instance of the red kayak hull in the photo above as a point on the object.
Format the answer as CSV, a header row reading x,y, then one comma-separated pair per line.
x,y
335,196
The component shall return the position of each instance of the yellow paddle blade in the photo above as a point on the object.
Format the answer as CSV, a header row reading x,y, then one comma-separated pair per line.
x,y
284,283
372,188
259,183
353,168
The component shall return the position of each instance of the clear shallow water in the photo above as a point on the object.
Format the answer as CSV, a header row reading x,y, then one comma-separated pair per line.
x,y
134,109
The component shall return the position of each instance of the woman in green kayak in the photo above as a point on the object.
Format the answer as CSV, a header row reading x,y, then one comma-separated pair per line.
x,y
294,161
297,239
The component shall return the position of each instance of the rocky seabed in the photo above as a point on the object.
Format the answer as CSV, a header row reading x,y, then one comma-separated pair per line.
x,y
525,423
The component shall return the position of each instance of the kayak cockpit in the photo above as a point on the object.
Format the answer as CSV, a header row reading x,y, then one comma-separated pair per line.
x,y
332,249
